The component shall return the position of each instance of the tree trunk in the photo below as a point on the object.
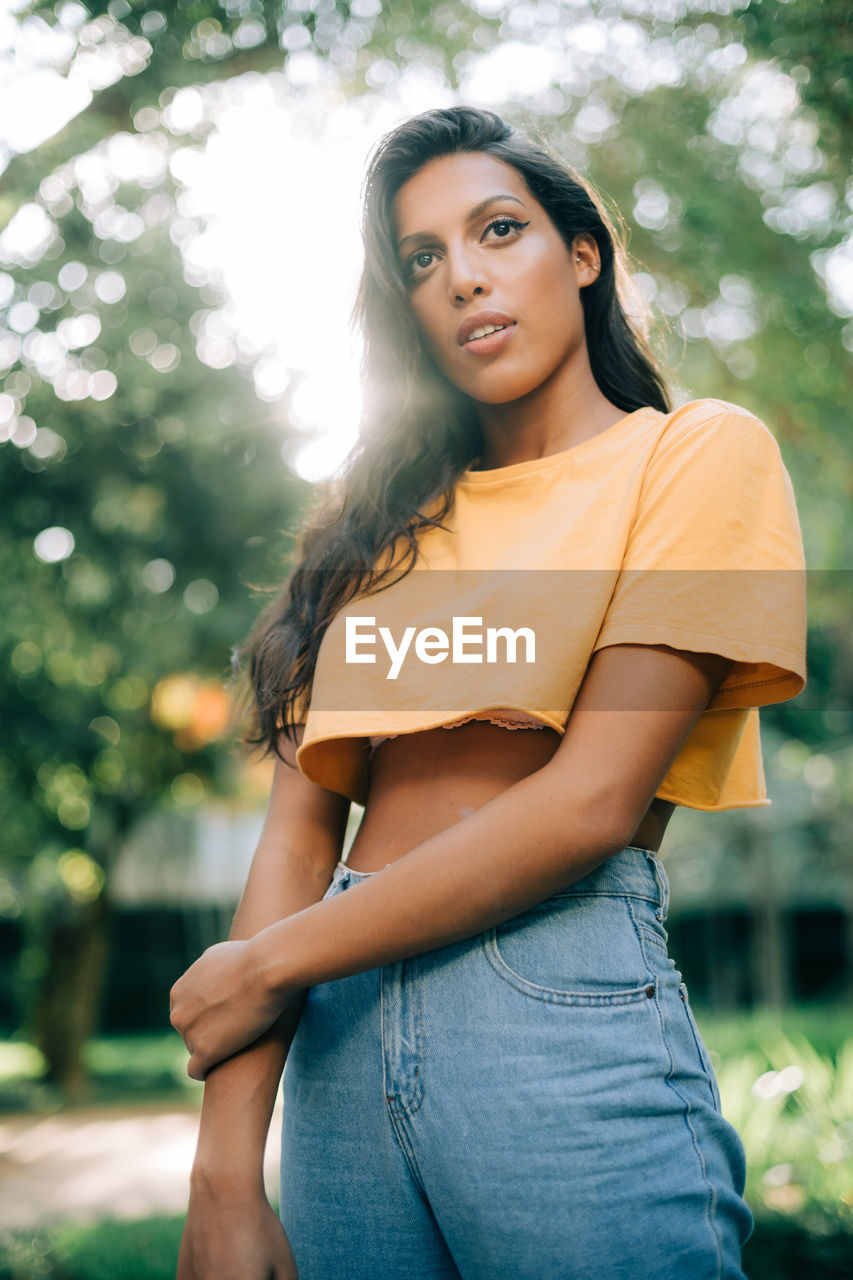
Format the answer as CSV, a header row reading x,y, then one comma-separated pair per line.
x,y
69,996
771,932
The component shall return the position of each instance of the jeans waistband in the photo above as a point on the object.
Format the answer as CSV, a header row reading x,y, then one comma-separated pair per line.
x,y
633,871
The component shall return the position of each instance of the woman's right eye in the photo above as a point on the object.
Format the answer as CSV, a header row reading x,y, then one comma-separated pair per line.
x,y
419,262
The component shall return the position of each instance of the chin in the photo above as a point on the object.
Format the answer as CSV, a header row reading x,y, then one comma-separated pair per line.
x,y
502,391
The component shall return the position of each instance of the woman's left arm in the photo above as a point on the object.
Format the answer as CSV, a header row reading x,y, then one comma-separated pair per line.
x,y
634,711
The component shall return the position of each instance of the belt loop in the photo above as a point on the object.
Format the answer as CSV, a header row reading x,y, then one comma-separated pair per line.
x,y
342,874
662,881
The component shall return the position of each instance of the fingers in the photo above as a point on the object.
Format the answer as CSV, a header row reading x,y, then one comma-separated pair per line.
x,y
196,1067
176,1023
174,1005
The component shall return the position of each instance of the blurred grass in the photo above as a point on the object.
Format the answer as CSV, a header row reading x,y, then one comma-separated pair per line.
x,y
148,1250
786,1082
121,1069
826,1026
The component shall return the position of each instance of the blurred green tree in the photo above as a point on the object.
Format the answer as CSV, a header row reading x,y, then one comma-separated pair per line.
x,y
137,515
129,425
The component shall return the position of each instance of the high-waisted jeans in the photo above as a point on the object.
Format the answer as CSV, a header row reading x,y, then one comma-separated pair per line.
x,y
532,1103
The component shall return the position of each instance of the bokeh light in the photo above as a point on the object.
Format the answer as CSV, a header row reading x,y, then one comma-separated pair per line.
x,y
54,544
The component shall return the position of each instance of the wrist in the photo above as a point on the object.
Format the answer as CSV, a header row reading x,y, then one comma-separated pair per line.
x,y
269,965
226,1177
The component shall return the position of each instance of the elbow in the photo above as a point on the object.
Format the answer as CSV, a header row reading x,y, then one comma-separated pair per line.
x,y
596,816
617,825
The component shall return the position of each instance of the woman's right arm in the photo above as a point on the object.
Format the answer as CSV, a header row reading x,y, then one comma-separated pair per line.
x,y
231,1230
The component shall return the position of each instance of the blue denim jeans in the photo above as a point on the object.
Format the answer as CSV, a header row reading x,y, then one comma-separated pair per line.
x,y
534,1102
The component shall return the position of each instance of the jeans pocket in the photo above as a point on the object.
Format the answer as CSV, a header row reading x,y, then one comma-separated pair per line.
x,y
655,937
580,949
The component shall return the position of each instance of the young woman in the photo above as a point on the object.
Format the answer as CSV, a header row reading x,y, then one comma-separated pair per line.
x,y
492,1066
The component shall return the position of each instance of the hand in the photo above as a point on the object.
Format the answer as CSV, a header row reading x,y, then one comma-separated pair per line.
x,y
221,1004
234,1238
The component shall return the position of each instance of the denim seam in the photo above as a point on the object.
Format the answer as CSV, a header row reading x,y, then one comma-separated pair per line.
x,y
395,1111
651,976
407,1148
599,893
416,1099
395,973
662,882
706,1066
653,939
711,1202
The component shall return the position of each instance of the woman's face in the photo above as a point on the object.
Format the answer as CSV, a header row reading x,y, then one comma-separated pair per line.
x,y
478,251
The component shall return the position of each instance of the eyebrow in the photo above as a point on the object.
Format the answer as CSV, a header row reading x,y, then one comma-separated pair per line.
x,y
471,216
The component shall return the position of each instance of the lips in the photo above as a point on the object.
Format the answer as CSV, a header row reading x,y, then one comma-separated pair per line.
x,y
482,320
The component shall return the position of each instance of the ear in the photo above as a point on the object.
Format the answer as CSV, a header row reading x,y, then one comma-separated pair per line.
x,y
586,258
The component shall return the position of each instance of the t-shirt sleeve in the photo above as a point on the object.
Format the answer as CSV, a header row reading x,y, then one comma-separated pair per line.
x,y
714,561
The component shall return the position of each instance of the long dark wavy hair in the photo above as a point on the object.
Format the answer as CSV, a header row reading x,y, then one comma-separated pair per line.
x,y
418,432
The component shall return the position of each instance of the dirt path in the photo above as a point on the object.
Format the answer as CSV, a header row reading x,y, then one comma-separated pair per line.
x,y
102,1162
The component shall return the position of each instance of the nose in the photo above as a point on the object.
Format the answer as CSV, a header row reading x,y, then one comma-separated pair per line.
x,y
466,277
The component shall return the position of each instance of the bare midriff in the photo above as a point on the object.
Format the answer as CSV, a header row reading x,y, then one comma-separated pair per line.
x,y
423,783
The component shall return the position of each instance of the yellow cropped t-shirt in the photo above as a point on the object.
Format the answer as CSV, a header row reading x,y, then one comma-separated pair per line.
x,y
678,529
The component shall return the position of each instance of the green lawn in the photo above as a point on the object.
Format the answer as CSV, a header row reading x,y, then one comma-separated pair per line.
x,y
129,1069
148,1250
153,1067
786,1083
826,1027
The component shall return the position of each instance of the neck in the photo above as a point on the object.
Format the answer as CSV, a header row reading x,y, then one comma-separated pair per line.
x,y
563,411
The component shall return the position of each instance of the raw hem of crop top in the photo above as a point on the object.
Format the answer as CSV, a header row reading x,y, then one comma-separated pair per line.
x,y
546,722
663,794
478,717
530,466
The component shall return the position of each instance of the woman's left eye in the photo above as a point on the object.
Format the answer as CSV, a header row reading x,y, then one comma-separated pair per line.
x,y
504,227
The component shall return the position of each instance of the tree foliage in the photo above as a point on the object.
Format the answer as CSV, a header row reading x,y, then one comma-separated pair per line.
x,y
128,419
